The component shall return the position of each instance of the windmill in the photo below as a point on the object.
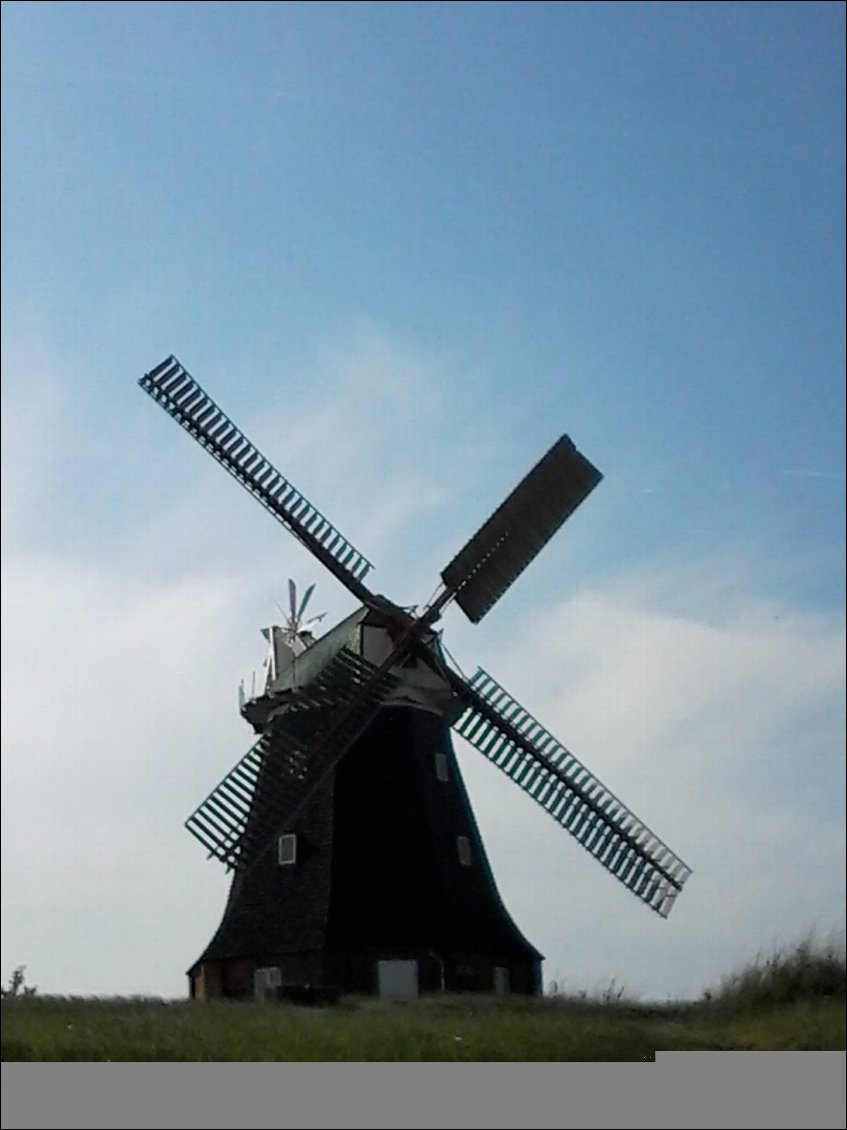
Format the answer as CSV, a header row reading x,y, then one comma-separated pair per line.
x,y
357,863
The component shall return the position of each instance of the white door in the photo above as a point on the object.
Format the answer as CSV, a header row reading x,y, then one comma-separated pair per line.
x,y
501,980
397,978
266,980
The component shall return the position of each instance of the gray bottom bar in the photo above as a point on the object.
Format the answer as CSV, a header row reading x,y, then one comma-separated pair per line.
x,y
681,1089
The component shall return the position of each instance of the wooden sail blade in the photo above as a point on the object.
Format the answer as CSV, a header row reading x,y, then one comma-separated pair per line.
x,y
515,533
302,609
219,822
499,727
269,786
182,398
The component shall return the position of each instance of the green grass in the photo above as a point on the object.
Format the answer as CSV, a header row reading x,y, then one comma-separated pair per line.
x,y
796,1001
807,972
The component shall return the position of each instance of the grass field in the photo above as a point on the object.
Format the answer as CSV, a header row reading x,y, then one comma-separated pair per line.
x,y
794,1001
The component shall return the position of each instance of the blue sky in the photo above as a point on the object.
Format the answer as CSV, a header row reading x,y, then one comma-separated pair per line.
x,y
406,246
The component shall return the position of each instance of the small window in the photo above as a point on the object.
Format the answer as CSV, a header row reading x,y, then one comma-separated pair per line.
x,y
441,766
287,850
464,846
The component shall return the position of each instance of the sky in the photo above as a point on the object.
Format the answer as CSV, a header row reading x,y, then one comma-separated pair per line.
x,y
406,246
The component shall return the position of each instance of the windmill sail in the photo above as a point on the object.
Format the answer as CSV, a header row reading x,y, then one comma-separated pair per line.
x,y
183,399
508,735
278,775
520,527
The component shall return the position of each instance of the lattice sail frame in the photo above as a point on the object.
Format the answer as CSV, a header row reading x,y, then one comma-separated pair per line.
x,y
269,785
500,728
173,387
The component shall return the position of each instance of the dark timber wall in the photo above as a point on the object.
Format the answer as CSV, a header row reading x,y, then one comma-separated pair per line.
x,y
378,876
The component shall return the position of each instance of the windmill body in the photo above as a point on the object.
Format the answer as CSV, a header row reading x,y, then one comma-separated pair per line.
x,y
358,866
382,872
